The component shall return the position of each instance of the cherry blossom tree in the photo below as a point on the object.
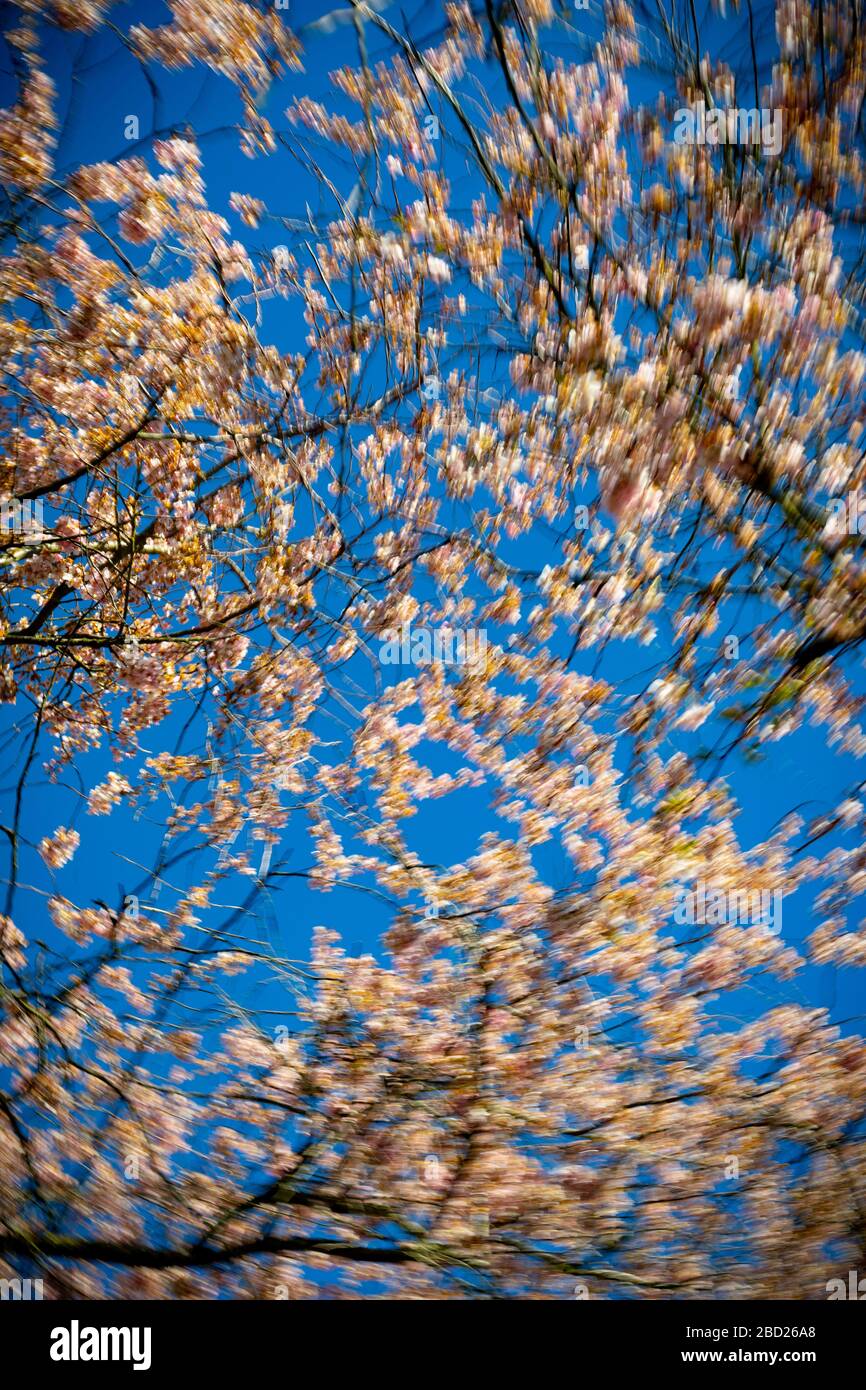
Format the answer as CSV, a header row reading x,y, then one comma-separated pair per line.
x,y
533,370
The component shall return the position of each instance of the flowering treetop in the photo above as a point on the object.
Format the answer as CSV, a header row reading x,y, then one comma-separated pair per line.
x,y
536,370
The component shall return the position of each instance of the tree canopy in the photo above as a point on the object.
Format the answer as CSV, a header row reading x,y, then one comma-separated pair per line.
x,y
490,475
